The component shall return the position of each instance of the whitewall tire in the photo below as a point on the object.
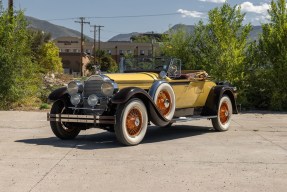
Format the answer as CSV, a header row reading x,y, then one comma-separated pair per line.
x,y
164,99
224,114
131,122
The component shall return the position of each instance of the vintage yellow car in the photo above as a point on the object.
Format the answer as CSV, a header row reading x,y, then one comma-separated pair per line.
x,y
147,90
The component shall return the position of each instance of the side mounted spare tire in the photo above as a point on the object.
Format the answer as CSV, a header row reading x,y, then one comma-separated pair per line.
x,y
164,98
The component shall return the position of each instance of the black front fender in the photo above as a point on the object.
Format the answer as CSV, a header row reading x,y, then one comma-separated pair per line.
x,y
154,114
58,94
212,102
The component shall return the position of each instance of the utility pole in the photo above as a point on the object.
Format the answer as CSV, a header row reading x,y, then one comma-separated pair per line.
x,y
99,30
82,22
10,4
95,35
152,41
10,8
100,36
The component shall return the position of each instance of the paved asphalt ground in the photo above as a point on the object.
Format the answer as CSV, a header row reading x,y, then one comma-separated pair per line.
x,y
251,156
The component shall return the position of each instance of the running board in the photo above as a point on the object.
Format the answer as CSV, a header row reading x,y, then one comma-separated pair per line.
x,y
186,119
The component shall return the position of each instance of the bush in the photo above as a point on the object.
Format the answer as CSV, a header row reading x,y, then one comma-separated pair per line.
x,y
44,106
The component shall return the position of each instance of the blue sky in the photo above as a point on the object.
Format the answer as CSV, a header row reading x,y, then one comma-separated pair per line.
x,y
182,11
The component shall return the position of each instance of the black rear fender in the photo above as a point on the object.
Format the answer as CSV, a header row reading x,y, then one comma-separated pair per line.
x,y
154,114
214,97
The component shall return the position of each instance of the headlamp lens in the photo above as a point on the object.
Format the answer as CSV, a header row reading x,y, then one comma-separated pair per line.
x,y
75,99
93,100
107,89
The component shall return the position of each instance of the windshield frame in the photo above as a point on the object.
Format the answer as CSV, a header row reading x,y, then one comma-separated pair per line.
x,y
151,64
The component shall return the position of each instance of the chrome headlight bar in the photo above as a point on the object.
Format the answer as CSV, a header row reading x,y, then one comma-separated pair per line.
x,y
76,88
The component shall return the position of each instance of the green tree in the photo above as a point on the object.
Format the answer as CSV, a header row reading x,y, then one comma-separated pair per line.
x,y
220,45
255,87
48,59
141,39
272,55
178,45
44,52
38,38
17,71
148,38
106,62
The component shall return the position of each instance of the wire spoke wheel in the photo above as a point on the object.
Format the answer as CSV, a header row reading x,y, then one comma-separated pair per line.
x,y
134,122
224,113
163,102
222,122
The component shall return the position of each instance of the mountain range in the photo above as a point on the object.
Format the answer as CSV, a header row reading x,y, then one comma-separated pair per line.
x,y
60,31
189,28
55,30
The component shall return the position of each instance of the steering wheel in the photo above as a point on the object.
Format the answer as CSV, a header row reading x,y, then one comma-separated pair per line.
x,y
172,70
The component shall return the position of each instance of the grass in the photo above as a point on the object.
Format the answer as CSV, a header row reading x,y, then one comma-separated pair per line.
x,y
44,106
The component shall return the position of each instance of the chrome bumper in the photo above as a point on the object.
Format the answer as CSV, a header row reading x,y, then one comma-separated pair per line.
x,y
94,119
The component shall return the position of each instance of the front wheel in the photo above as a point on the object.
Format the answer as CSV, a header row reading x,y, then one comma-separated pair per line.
x,y
164,99
63,130
224,113
132,121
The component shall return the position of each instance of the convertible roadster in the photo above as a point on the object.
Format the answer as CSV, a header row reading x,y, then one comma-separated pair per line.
x,y
148,90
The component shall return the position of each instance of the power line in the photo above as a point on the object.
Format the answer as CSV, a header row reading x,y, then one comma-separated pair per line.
x,y
134,16
118,17
63,19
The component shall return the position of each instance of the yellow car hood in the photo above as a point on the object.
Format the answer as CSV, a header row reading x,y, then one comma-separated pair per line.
x,y
142,80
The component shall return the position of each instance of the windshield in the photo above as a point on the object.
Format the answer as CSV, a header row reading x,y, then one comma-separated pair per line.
x,y
145,64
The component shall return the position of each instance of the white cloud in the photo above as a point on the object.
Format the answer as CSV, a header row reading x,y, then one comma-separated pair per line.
x,y
259,12
214,1
250,7
186,13
261,19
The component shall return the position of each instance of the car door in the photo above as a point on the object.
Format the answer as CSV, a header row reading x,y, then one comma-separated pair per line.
x,y
187,92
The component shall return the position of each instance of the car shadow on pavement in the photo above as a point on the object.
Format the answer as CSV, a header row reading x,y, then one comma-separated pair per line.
x,y
106,140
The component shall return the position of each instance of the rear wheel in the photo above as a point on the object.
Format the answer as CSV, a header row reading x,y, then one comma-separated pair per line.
x,y
132,121
222,122
63,130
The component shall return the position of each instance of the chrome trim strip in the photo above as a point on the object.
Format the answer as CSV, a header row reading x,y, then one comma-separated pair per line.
x,y
86,108
81,118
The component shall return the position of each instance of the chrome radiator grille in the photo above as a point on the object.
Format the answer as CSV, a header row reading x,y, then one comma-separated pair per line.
x,y
93,87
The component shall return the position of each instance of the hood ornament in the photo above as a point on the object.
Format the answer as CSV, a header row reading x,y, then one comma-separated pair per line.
x,y
97,69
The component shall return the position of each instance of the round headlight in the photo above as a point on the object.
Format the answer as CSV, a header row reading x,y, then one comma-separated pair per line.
x,y
75,99
93,100
107,89
75,87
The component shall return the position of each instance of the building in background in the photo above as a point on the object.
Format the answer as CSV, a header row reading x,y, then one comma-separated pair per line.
x,y
70,51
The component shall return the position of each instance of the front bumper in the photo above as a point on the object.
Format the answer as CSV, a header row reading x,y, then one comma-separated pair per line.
x,y
91,119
